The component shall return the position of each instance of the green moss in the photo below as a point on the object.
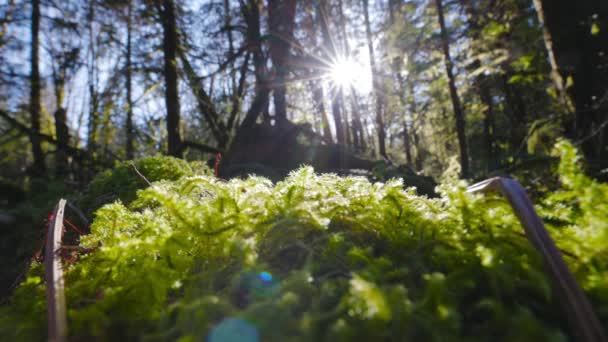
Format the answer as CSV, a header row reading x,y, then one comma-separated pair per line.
x,y
318,257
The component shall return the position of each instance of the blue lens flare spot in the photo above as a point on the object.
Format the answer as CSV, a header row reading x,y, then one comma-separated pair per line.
x,y
234,330
266,277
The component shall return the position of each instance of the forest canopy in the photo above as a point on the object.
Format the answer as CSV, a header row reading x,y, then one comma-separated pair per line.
x,y
486,86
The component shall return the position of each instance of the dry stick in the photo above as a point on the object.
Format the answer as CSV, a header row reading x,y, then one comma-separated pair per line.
x,y
582,318
55,296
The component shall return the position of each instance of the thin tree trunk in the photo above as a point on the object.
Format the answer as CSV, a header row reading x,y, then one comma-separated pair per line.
x,y
336,109
318,98
376,83
456,107
330,52
488,125
93,124
129,123
227,24
349,141
357,124
39,167
170,44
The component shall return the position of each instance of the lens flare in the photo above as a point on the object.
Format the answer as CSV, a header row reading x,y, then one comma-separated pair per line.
x,y
234,330
348,73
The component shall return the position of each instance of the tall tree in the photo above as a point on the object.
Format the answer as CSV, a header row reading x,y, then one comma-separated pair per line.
x,y
576,35
39,167
60,69
170,46
456,106
93,120
281,15
376,81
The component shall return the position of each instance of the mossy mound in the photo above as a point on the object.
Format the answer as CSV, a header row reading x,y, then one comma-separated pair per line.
x,y
123,181
318,257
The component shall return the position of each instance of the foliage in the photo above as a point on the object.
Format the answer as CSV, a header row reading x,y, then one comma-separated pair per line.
x,y
322,257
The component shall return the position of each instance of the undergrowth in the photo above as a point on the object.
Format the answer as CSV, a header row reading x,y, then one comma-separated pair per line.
x,y
318,257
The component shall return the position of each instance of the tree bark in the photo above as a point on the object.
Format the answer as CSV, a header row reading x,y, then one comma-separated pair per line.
x,y
128,80
39,167
170,43
376,83
456,107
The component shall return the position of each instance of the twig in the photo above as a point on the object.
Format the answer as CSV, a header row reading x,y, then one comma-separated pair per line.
x,y
582,318
140,175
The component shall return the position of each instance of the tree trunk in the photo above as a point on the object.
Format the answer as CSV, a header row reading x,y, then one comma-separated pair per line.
x,y
281,15
129,122
376,83
61,126
456,107
251,12
38,168
170,43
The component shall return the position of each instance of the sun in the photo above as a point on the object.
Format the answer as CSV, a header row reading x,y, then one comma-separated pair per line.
x,y
348,73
